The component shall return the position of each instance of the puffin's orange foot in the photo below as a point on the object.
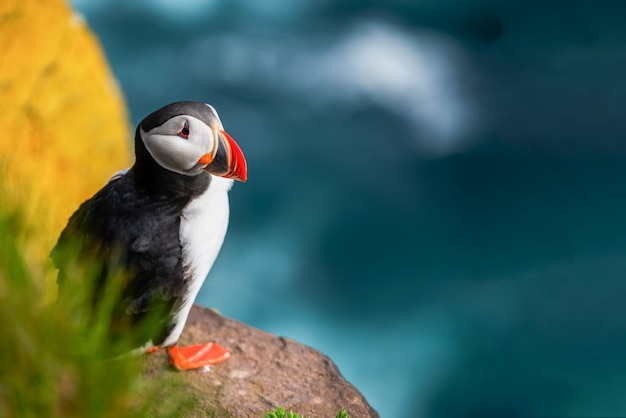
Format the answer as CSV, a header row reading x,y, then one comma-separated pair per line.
x,y
152,349
196,356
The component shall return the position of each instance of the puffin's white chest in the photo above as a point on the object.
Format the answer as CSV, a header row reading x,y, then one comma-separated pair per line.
x,y
203,226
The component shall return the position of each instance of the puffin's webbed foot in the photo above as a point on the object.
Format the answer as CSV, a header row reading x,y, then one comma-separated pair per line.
x,y
196,356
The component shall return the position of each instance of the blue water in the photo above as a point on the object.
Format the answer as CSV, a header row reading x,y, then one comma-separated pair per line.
x,y
436,189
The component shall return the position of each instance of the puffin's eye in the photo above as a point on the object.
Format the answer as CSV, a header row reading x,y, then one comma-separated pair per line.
x,y
184,133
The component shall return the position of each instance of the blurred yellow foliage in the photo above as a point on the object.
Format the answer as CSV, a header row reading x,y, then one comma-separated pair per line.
x,y
64,123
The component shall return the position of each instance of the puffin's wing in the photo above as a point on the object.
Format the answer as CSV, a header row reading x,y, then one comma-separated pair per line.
x,y
80,225
121,228
85,242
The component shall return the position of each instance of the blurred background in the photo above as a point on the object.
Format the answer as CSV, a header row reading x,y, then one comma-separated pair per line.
x,y
436,189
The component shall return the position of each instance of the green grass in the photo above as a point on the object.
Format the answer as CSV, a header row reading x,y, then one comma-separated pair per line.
x,y
56,358
280,413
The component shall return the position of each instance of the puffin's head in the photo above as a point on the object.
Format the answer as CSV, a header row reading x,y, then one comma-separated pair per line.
x,y
188,138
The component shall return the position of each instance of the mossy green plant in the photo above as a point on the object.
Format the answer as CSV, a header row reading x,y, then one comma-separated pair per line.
x,y
280,413
56,357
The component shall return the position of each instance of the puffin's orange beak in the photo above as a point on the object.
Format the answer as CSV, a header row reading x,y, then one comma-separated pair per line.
x,y
228,160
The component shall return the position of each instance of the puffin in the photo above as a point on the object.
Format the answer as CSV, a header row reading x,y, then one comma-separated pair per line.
x,y
161,223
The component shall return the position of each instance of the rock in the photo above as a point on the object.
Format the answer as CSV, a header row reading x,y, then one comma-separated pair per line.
x,y
64,121
264,372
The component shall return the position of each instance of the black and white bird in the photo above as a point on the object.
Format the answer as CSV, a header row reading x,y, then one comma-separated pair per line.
x,y
162,221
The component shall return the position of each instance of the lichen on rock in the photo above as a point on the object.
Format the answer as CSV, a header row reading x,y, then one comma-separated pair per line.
x,y
65,126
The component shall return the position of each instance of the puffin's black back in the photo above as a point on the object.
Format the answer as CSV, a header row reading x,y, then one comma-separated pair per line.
x,y
133,223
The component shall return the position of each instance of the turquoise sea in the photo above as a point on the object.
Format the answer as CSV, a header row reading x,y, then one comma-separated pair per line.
x,y
437,189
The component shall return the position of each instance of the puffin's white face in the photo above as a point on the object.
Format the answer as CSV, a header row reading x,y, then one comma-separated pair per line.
x,y
183,144
188,138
